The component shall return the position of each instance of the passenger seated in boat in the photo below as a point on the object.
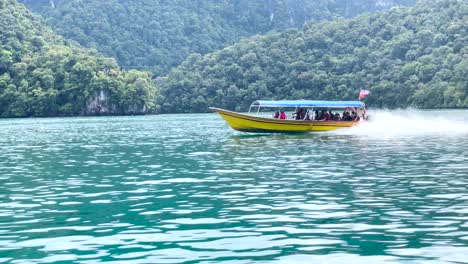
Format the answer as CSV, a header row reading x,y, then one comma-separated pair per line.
x,y
282,115
307,116
325,116
299,114
295,115
337,117
346,116
331,116
276,115
321,115
317,115
355,117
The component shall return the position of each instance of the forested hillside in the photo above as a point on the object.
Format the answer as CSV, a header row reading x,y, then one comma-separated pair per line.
x,y
405,57
41,74
158,35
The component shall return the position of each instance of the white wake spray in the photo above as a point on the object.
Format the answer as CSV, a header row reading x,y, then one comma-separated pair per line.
x,y
410,122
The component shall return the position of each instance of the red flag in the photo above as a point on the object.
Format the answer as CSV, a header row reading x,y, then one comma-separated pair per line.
x,y
363,93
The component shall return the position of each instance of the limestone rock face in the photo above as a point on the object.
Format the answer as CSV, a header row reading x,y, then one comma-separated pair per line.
x,y
100,104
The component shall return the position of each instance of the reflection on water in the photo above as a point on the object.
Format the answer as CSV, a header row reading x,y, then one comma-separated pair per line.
x,y
186,188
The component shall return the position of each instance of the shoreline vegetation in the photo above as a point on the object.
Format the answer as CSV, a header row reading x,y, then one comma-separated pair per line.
x,y
407,57
210,112
43,74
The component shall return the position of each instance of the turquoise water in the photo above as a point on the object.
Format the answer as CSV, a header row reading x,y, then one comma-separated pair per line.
x,y
188,189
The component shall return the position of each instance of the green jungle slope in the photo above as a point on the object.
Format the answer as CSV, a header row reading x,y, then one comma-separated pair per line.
x,y
405,57
41,74
157,35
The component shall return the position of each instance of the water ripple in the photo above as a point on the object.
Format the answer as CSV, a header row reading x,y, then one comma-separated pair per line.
x,y
143,190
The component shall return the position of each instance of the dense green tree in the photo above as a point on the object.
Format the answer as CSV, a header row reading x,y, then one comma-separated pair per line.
x,y
158,35
41,74
406,57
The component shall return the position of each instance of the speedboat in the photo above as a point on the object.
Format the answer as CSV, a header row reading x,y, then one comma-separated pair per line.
x,y
309,116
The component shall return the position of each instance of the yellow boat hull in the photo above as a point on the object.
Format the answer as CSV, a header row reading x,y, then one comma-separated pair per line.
x,y
248,123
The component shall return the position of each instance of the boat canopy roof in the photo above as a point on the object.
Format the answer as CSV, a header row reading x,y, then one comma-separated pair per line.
x,y
308,103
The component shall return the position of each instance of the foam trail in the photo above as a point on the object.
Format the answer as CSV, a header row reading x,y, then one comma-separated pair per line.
x,y
410,122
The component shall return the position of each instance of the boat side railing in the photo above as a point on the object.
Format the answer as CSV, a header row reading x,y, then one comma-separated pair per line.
x,y
360,111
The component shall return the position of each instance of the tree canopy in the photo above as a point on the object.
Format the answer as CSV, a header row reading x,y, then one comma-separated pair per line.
x,y
405,57
42,74
157,35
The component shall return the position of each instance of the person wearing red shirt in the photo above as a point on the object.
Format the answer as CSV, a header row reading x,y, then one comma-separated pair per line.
x,y
282,115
